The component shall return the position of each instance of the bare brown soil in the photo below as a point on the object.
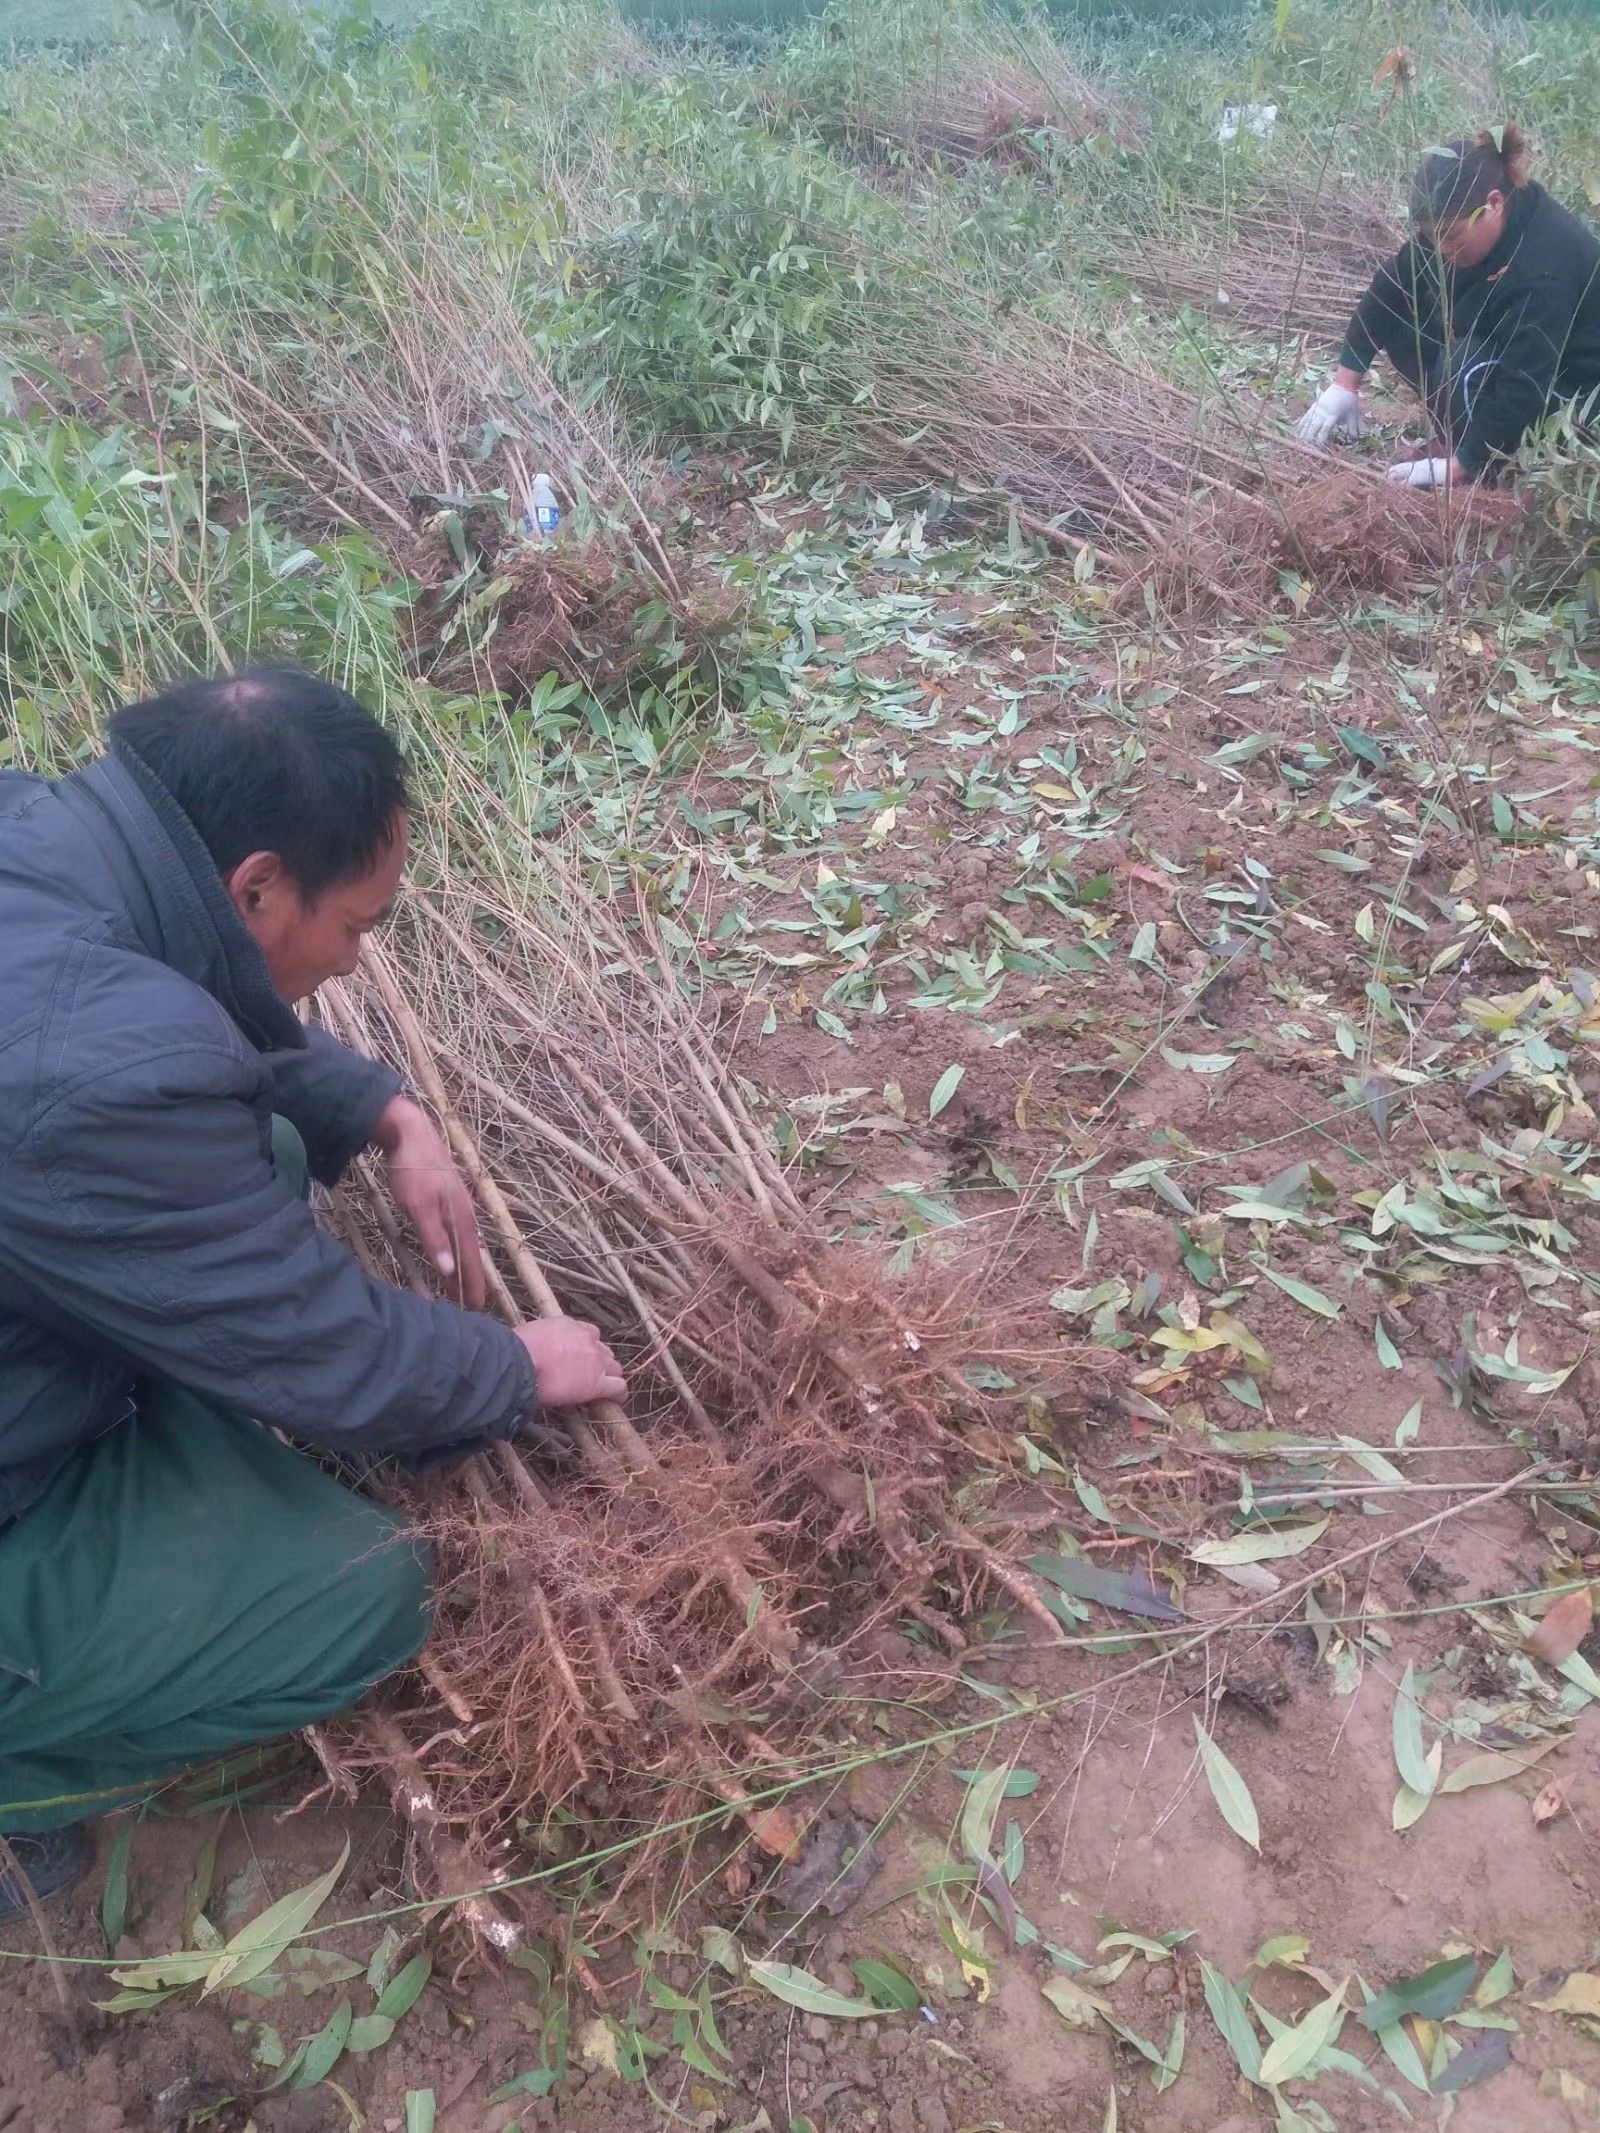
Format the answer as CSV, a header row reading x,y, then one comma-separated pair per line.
x,y
1122,1831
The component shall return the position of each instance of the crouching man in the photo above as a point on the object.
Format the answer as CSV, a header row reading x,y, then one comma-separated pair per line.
x,y
175,1581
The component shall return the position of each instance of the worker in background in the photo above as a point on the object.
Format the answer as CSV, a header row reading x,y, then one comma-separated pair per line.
x,y
175,1579
1491,312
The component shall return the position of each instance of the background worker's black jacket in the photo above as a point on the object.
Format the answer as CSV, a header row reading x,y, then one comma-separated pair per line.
x,y
1514,336
143,1052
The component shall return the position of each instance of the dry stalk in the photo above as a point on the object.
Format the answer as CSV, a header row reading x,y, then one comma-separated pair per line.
x,y
784,1481
776,1638
41,1925
453,1866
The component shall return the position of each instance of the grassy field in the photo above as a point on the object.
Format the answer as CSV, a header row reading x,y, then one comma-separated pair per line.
x,y
966,802
66,20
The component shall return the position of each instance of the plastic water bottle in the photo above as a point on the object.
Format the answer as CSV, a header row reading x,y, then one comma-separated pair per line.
x,y
543,514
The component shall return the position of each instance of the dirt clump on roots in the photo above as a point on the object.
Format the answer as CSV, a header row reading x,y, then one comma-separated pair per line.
x,y
1344,532
572,608
708,1580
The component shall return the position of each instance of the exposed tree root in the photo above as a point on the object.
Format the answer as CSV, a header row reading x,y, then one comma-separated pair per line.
x,y
783,1484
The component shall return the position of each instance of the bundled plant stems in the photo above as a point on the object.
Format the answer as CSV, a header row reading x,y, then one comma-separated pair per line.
x,y
677,1608
1294,264
963,101
1091,450
379,444
915,380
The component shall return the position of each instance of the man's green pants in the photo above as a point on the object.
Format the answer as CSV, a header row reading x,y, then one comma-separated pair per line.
x,y
188,1585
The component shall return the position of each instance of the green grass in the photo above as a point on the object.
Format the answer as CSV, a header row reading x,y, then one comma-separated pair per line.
x,y
356,263
69,22
88,25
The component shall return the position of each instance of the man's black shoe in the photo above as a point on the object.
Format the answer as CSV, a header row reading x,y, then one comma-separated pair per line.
x,y
52,1862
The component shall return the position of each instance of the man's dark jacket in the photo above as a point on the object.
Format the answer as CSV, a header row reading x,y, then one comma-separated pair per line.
x,y
143,1052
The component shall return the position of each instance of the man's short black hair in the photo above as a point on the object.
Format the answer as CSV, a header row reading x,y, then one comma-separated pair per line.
x,y
273,760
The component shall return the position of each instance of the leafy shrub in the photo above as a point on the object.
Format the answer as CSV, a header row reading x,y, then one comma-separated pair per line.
x,y
734,305
1559,556
118,577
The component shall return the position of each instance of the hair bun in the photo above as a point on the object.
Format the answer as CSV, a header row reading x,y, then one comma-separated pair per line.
x,y
1457,179
1516,152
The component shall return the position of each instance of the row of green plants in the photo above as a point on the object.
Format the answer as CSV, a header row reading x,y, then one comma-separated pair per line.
x,y
361,275
648,215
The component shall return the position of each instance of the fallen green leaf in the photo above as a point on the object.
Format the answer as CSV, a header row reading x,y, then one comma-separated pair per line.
x,y
1409,1804
1229,1790
1291,2055
114,1896
258,1945
982,1804
159,1972
1011,1854
325,2049
798,1988
1199,1062
1303,1293
886,1986
1372,1462
197,1893
382,1963
1495,1766
1170,2065
137,2002
309,1969
1496,1981
539,2081
1409,1754
401,1993
1153,1951
1230,2010
944,1088
1432,1993
1267,1544
1401,2051
1019,1785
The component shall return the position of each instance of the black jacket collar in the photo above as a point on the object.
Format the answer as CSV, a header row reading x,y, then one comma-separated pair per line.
x,y
185,918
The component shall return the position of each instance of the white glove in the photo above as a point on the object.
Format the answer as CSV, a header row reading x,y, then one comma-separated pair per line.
x,y
1420,474
1336,412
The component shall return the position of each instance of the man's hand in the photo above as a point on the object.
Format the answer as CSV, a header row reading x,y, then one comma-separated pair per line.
x,y
574,1364
434,1196
1336,412
1423,473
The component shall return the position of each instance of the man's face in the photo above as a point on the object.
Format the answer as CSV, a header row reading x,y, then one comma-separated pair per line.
x,y
307,942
